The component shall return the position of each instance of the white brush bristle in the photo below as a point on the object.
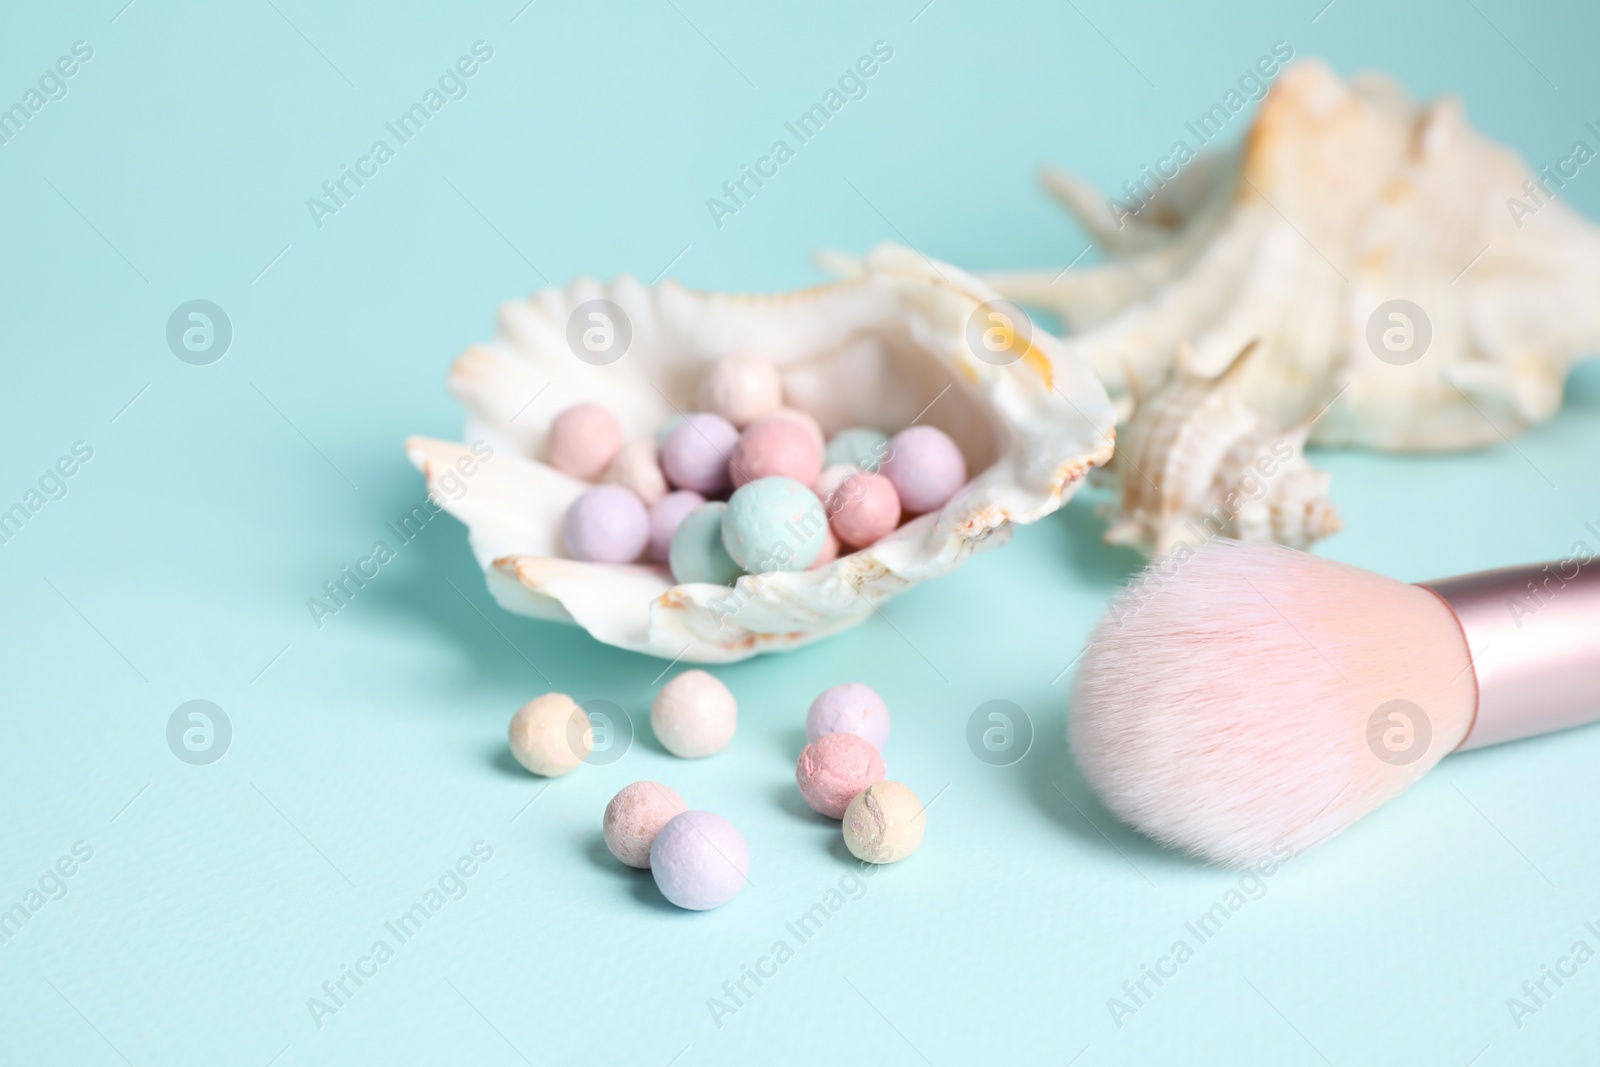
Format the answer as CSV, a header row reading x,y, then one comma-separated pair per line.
x,y
1226,704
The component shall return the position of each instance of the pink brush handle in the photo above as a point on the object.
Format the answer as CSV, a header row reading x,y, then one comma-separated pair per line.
x,y
1534,637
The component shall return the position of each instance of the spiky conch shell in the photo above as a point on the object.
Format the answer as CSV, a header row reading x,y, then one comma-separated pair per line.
x,y
885,345
1195,461
1343,197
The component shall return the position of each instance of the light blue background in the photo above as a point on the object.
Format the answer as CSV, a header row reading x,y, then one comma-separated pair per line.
x,y
370,755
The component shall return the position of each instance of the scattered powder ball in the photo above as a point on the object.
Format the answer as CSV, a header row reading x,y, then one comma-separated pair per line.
x,y
699,860
635,816
550,735
884,823
833,769
851,708
694,715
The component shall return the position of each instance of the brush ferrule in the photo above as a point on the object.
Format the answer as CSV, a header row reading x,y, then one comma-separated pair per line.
x,y
1534,637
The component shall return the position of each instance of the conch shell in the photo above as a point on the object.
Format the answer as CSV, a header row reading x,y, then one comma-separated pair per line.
x,y
1381,252
1195,461
886,346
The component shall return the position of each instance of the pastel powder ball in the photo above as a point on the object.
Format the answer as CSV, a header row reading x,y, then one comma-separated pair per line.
x,y
697,553
700,861
806,420
884,823
833,769
635,816
695,455
741,389
775,448
666,515
637,469
926,468
863,509
851,708
550,735
694,715
774,524
607,524
583,440
858,447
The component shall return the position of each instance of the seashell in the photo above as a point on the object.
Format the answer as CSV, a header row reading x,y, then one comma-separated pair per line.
x,y
1381,251
887,345
1195,461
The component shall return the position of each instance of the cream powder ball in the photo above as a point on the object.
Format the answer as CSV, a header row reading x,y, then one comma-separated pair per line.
x,y
694,715
550,735
741,389
884,823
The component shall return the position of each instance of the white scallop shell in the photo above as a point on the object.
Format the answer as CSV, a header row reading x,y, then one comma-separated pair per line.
x,y
1195,461
1344,197
883,347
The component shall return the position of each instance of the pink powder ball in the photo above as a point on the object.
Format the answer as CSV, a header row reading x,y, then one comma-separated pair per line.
x,y
926,468
635,816
776,447
695,455
607,524
666,515
583,440
637,469
810,423
833,769
863,508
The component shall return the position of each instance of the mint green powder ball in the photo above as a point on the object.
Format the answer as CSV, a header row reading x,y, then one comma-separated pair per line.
x,y
774,524
697,554
858,447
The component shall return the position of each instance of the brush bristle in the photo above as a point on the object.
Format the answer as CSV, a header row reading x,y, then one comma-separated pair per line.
x,y
1229,702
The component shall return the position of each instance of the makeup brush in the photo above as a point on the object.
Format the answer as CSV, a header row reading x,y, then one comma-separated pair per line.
x,y
1239,698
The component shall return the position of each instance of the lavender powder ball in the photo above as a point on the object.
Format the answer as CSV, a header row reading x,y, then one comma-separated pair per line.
x,y
925,467
607,524
699,861
695,455
666,515
851,708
